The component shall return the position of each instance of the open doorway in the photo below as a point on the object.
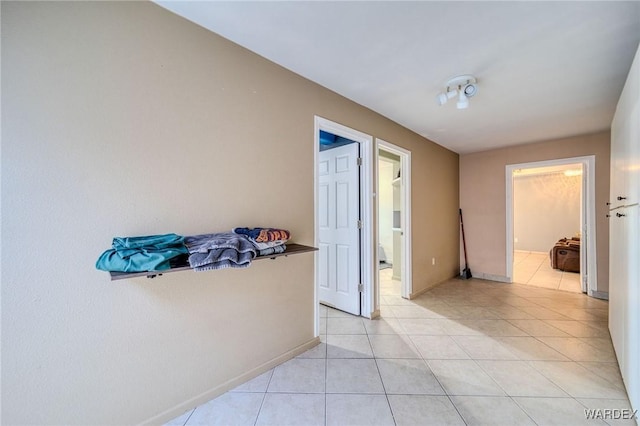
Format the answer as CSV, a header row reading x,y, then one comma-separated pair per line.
x,y
394,220
389,226
343,217
544,231
546,227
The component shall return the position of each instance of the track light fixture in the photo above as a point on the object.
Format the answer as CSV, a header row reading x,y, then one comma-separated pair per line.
x,y
465,86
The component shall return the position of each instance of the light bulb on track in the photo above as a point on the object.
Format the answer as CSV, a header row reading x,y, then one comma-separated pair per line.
x,y
463,86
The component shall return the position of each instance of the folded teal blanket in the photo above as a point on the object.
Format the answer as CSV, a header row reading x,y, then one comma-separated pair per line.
x,y
141,254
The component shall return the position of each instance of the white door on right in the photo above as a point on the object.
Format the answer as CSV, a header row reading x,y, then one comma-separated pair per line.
x,y
339,239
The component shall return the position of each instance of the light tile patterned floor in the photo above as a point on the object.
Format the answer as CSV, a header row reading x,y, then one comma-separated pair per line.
x,y
533,268
467,352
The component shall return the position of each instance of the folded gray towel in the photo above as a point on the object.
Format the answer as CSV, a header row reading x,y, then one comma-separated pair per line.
x,y
219,251
220,259
272,250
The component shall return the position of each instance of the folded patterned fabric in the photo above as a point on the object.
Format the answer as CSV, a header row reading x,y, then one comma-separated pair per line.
x,y
142,254
264,235
272,250
219,251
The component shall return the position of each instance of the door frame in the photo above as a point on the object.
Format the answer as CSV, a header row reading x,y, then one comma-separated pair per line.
x,y
589,281
405,201
367,301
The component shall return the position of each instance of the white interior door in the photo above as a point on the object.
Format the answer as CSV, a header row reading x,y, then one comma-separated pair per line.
x,y
339,236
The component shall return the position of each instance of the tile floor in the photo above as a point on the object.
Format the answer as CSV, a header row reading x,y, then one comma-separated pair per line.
x,y
467,352
533,268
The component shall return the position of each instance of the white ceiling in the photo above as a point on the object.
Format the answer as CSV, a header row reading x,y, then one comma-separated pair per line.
x,y
545,70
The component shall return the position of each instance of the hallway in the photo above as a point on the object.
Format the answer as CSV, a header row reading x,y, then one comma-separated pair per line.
x,y
466,352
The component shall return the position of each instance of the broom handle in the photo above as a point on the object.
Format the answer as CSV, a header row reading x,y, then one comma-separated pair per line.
x,y
464,244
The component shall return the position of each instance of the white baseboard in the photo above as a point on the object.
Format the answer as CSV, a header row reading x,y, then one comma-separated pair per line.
x,y
190,404
491,277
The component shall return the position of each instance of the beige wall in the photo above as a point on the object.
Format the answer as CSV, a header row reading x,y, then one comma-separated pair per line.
x,y
120,118
434,218
483,199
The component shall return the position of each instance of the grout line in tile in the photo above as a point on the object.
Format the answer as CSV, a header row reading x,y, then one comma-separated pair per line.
x,y
264,396
190,414
384,389
455,407
326,376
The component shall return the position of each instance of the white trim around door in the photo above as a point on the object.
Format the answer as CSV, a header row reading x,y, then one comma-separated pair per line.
x,y
588,217
367,275
405,220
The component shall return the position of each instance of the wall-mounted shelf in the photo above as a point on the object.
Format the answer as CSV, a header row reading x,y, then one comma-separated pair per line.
x,y
291,249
